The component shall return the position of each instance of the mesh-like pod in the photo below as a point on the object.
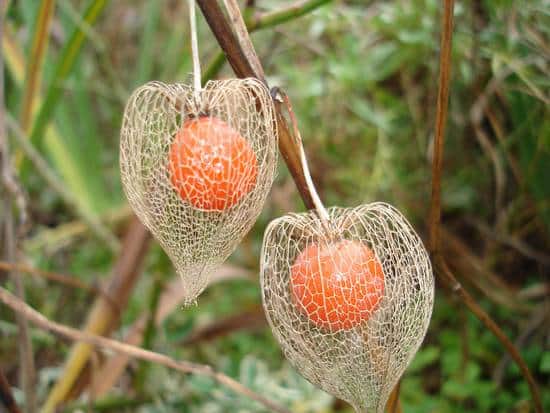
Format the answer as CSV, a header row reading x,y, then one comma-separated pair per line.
x,y
349,302
197,168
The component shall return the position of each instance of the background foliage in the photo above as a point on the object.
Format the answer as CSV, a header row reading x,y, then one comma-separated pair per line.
x,y
362,78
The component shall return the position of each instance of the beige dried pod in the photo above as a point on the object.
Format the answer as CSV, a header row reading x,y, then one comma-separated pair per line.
x,y
196,166
348,298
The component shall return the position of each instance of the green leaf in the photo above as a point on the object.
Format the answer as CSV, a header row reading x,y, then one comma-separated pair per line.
x,y
424,358
545,363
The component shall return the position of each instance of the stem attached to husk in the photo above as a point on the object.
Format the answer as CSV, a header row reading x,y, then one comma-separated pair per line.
x,y
319,207
195,49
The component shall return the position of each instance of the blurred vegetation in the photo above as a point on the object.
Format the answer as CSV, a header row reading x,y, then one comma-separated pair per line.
x,y
362,78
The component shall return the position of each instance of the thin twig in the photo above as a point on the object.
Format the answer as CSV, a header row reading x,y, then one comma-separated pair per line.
x,y
538,323
68,280
12,232
444,272
102,317
184,366
319,207
440,121
435,207
195,49
441,118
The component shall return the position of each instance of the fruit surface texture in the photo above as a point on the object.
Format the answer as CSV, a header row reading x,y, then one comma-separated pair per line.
x,y
211,165
337,285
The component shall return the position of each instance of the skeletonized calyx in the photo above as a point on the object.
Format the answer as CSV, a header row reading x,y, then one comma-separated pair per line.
x,y
349,300
197,167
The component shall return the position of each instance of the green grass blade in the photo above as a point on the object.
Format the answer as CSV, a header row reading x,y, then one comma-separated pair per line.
x,y
93,222
35,62
77,177
63,69
14,60
82,150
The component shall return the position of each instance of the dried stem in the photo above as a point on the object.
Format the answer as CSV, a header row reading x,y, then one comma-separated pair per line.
x,y
435,207
67,280
441,118
11,195
103,317
195,48
319,207
236,56
445,273
241,31
186,367
440,121
394,404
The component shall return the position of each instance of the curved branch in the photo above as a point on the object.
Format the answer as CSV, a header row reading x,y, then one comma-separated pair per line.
x,y
237,58
445,273
38,319
435,206
67,280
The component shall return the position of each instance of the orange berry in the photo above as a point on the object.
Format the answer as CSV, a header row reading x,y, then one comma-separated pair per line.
x,y
337,285
211,165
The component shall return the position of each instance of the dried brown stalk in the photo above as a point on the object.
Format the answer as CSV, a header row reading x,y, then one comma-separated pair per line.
x,y
12,196
109,344
394,404
103,318
440,121
237,58
169,300
70,281
435,206
445,273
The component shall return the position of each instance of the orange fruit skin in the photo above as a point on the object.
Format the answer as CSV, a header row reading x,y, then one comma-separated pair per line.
x,y
211,165
337,285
